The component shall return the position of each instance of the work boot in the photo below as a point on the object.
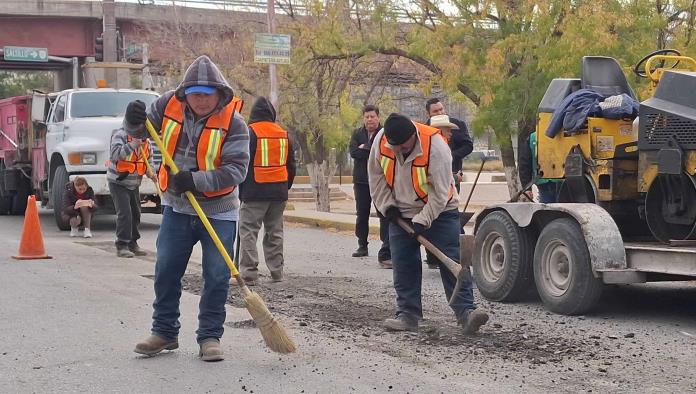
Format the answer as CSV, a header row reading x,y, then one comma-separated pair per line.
x,y
360,252
88,233
122,251
473,320
74,232
155,344
386,264
136,250
402,322
211,350
277,276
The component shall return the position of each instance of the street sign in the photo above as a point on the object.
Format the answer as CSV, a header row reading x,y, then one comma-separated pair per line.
x,y
271,48
25,54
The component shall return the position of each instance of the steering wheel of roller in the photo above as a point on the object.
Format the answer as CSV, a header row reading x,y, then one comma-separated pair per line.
x,y
639,69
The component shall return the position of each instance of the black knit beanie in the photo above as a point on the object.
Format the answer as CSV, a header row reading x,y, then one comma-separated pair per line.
x,y
398,128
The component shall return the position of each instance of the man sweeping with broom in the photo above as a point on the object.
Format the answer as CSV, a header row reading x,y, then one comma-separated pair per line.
x,y
410,173
201,129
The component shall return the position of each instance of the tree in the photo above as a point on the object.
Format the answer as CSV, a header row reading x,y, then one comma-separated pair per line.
x,y
15,83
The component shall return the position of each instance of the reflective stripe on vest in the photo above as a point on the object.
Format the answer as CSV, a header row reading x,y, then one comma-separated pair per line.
x,y
212,138
133,162
419,166
271,154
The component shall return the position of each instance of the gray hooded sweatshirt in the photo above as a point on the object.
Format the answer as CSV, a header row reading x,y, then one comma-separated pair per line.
x,y
235,148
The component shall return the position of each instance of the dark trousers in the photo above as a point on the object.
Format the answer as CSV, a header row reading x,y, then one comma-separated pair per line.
x,y
363,204
127,204
406,258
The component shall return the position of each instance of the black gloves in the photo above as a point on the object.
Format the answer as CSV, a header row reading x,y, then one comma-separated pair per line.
x,y
135,113
418,229
392,214
183,182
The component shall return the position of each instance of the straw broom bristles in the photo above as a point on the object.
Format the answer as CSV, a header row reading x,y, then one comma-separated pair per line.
x,y
275,336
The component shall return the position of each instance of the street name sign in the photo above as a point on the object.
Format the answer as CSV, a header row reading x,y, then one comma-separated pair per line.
x,y
272,48
25,54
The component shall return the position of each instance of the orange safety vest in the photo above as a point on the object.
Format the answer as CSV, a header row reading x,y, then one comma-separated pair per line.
x,y
271,154
419,166
208,153
133,162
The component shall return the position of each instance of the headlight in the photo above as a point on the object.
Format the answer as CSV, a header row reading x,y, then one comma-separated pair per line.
x,y
87,158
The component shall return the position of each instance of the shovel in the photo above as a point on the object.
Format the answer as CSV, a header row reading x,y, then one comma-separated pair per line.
x,y
455,268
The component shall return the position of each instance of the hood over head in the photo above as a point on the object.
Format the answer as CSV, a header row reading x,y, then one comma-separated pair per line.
x,y
262,110
203,72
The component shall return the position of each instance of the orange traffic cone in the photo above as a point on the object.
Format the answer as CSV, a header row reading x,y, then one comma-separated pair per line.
x,y
32,245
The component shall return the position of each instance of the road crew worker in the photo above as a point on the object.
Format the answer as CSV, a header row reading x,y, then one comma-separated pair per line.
x,y
410,171
126,169
264,193
201,128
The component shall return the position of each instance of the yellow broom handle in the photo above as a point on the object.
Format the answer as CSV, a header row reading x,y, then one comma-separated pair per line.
x,y
201,215
150,170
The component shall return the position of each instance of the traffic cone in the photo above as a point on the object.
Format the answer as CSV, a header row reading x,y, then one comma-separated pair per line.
x,y
32,246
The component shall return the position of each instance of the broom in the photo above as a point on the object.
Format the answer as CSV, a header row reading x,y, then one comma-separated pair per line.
x,y
274,334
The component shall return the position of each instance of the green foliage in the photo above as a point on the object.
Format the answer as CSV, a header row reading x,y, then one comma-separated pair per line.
x,y
19,83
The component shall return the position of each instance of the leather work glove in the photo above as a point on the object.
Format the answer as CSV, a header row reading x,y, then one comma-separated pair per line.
x,y
183,182
135,113
392,214
418,229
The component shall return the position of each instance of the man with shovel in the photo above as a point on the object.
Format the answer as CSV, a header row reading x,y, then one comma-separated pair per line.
x,y
410,173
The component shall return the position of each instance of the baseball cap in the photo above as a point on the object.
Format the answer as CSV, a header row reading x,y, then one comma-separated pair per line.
x,y
200,89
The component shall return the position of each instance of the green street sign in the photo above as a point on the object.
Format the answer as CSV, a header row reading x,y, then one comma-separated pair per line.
x,y
25,54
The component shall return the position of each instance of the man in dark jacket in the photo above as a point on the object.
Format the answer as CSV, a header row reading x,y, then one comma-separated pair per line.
x,y
264,192
460,142
360,144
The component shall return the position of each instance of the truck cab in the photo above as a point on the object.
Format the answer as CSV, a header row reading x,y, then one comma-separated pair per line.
x,y
79,126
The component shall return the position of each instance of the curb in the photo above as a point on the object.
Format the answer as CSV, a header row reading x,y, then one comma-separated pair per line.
x,y
325,223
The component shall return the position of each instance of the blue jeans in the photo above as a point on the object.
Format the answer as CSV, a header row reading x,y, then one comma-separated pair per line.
x,y
406,260
177,235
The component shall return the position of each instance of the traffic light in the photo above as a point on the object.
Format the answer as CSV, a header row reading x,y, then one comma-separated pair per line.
x,y
99,49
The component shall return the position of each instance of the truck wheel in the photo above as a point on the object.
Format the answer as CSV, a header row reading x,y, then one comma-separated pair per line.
x,y
5,197
19,201
563,271
502,258
60,178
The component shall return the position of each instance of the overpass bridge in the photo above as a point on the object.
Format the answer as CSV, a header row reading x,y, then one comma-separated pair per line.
x,y
68,29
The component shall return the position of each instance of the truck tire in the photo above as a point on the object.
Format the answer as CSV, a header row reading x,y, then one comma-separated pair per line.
x,y
19,200
60,178
5,197
502,260
563,271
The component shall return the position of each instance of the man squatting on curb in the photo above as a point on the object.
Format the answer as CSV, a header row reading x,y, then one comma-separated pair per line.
x,y
410,171
201,128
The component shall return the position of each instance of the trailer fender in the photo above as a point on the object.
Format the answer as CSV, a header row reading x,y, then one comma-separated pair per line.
x,y
601,234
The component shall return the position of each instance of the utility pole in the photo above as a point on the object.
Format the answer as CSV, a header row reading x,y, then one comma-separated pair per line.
x,y
109,37
273,76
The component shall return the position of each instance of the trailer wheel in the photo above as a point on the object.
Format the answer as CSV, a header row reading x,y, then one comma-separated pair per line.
x,y
502,258
563,271
60,178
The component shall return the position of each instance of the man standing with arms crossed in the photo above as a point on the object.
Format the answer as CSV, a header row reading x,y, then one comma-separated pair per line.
x,y
264,192
202,130
410,177
360,144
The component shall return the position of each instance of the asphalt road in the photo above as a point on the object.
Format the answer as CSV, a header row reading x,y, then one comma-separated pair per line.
x,y
69,325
